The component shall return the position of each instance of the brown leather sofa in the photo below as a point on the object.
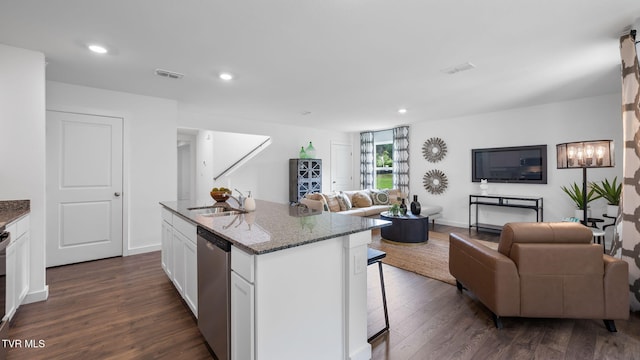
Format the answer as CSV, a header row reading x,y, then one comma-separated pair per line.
x,y
543,270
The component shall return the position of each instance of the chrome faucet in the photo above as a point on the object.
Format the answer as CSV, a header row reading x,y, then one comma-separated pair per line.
x,y
239,199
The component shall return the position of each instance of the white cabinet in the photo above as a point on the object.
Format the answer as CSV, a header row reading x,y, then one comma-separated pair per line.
x,y
179,256
11,298
242,318
167,254
191,276
17,265
242,305
179,268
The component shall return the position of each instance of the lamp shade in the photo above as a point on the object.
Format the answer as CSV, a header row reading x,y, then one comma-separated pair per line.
x,y
585,154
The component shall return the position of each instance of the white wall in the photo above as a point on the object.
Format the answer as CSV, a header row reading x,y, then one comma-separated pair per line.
x,y
267,174
150,155
584,119
22,119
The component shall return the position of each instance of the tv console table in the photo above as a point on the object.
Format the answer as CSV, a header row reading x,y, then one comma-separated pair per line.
x,y
513,201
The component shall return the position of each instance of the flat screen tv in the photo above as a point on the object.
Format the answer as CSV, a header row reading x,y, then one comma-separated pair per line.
x,y
517,164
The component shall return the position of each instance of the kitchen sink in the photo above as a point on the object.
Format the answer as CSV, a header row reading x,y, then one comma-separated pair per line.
x,y
214,211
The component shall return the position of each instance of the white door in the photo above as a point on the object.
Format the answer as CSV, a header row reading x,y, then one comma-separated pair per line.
x,y
84,187
341,167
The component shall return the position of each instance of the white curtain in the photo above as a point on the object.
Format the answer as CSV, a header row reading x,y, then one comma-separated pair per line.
x,y
401,159
367,158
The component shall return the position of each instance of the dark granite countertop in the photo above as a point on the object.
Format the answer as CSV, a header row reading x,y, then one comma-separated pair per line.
x,y
273,226
11,210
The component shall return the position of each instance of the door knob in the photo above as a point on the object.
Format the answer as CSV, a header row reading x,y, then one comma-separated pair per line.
x,y
117,194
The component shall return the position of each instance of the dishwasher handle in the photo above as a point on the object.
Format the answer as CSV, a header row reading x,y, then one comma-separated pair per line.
x,y
221,243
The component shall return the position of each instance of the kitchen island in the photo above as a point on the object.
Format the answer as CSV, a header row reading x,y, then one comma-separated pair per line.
x,y
298,279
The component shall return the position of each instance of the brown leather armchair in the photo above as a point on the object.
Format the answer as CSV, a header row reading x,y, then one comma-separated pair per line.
x,y
543,270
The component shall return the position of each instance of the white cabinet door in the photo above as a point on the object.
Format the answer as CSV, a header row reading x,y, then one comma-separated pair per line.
x,y
191,276
17,266
242,318
22,268
179,256
11,305
167,249
179,268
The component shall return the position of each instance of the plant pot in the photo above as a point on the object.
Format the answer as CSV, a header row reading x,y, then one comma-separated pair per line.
x,y
579,214
612,210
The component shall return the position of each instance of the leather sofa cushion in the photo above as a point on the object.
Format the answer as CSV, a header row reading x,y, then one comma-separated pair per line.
x,y
559,232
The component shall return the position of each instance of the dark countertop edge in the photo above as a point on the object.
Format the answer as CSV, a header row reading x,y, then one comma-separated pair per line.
x,y
277,248
290,246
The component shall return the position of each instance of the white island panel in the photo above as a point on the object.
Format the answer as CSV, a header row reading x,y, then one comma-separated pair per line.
x,y
299,302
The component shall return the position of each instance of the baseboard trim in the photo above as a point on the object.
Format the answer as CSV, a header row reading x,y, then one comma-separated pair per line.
x,y
37,296
363,353
142,250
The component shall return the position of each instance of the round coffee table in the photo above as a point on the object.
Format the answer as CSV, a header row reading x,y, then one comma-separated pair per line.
x,y
407,228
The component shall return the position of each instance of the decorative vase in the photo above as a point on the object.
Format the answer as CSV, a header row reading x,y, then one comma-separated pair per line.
x,y
303,154
612,210
416,208
403,208
311,151
249,203
484,187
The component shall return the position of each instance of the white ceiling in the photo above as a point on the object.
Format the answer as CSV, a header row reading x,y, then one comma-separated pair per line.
x,y
351,63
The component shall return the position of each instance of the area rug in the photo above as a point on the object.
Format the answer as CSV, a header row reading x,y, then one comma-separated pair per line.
x,y
430,259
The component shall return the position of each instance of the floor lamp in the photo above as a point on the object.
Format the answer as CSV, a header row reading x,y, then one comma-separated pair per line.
x,y
585,154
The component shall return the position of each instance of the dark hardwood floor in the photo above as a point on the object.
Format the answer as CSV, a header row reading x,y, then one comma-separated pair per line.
x,y
118,308
126,308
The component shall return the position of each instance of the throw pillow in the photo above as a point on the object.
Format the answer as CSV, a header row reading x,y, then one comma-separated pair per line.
x,y
345,203
395,196
332,202
318,197
362,199
380,197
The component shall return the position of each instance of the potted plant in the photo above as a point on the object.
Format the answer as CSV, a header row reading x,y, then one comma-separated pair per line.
x,y
394,209
610,192
575,193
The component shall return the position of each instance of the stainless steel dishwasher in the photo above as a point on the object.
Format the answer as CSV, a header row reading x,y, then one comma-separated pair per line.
x,y
214,315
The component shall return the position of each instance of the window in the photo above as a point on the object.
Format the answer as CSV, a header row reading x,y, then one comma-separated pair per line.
x,y
383,145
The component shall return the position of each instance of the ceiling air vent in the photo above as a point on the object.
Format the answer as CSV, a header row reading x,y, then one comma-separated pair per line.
x,y
169,74
458,68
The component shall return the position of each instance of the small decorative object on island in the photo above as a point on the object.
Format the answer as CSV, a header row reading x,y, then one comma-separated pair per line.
x,y
416,208
610,192
249,203
484,187
434,149
220,194
403,208
311,151
303,154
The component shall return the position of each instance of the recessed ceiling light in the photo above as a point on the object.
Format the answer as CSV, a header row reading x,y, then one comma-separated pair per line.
x,y
225,76
402,111
97,49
